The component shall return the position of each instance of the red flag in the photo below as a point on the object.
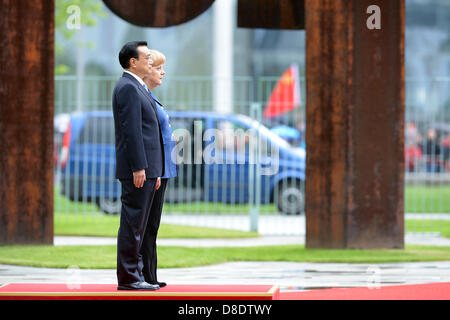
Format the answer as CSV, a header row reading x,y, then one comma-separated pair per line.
x,y
285,96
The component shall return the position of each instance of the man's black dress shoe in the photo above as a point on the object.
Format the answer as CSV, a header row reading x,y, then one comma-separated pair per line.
x,y
138,286
160,284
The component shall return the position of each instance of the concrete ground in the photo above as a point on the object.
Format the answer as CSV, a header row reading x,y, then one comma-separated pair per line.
x,y
288,275
277,225
431,240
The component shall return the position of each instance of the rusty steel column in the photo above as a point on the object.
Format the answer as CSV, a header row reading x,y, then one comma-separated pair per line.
x,y
271,14
158,13
26,121
355,119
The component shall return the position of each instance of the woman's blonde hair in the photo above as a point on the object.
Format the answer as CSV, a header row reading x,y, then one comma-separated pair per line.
x,y
157,57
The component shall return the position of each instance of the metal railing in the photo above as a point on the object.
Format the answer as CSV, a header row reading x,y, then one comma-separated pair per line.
x,y
204,196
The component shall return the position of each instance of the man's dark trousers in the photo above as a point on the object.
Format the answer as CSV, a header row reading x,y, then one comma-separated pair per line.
x,y
148,249
138,229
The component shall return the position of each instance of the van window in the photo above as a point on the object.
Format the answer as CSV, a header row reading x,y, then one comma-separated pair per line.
x,y
239,138
188,135
98,130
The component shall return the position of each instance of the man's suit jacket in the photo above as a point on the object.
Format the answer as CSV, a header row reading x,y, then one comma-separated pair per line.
x,y
139,143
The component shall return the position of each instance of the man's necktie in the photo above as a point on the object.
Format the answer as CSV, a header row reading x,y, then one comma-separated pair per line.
x,y
153,96
151,93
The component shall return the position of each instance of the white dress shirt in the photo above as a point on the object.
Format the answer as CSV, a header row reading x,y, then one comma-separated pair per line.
x,y
136,77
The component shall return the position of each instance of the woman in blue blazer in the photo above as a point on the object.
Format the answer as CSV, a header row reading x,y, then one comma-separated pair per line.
x,y
152,80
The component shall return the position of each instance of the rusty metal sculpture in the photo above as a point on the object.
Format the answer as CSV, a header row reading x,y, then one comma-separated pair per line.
x,y
271,14
355,109
355,115
158,13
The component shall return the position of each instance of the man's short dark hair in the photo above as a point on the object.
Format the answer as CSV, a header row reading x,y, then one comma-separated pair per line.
x,y
128,51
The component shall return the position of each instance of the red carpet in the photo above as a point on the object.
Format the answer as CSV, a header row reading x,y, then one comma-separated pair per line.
x,y
45,291
60,291
430,291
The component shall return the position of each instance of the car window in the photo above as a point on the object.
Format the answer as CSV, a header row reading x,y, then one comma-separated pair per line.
x,y
231,137
264,131
182,123
98,130
234,137
188,136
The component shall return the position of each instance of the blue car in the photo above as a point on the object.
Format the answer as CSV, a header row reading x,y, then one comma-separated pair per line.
x,y
220,158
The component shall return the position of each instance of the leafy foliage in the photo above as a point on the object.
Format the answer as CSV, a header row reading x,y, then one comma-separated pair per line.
x,y
89,13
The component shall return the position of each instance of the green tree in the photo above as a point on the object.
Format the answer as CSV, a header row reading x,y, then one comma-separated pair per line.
x,y
70,15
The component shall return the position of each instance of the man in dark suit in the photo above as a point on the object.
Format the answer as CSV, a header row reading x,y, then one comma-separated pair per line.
x,y
139,166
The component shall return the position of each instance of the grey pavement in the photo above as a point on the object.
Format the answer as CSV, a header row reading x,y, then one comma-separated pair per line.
x,y
417,239
275,230
289,276
240,242
274,225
